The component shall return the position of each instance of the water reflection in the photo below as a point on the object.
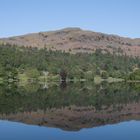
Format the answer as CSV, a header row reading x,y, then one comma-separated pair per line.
x,y
70,107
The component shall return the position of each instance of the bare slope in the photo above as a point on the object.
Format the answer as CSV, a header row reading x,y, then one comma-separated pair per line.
x,y
76,40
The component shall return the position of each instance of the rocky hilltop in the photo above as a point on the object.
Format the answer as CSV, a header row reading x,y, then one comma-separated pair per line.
x,y
75,40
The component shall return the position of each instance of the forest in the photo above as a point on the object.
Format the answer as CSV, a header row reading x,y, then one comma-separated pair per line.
x,y
33,64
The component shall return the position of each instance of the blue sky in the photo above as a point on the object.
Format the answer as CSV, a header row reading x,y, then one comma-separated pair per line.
x,y
120,17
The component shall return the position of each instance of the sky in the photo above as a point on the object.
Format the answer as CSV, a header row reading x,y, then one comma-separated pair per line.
x,y
121,17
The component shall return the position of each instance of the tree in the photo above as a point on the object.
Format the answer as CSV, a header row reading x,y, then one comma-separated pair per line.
x,y
63,74
135,75
32,73
104,74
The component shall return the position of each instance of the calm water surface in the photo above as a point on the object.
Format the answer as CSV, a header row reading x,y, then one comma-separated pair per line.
x,y
70,112
121,131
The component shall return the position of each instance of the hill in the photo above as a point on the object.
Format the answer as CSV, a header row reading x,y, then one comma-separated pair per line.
x,y
76,40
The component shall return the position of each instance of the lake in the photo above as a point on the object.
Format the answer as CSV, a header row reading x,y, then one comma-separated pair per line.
x,y
74,111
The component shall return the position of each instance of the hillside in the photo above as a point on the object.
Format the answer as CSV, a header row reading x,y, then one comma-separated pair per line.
x,y
75,40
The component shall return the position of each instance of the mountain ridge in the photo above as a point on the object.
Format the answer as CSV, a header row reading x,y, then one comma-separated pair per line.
x,y
76,40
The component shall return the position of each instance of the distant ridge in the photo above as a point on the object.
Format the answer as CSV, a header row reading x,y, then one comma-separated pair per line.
x,y
76,40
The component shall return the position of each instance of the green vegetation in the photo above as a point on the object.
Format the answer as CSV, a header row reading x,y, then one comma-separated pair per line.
x,y
14,98
32,64
135,75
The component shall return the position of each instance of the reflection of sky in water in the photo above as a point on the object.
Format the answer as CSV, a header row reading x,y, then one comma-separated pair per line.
x,y
19,131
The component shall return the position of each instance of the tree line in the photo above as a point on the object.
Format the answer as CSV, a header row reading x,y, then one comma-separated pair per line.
x,y
15,60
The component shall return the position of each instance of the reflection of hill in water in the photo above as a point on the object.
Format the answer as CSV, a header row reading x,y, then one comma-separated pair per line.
x,y
73,107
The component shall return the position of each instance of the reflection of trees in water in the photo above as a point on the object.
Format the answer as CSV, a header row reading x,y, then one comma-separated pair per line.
x,y
80,105
14,98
